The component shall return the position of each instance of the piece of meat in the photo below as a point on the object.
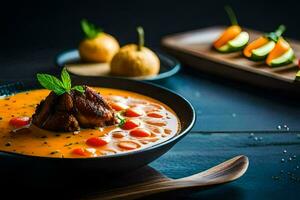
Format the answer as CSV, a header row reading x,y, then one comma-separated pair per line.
x,y
61,121
43,110
92,110
69,112
55,113
65,103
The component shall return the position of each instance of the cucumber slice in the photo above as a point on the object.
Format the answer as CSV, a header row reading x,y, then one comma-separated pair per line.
x,y
239,41
284,59
298,76
236,44
224,48
262,52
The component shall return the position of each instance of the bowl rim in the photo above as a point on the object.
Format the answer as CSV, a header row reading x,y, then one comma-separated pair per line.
x,y
61,58
176,138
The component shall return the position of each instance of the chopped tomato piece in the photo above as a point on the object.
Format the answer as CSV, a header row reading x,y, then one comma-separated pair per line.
x,y
96,142
130,112
80,152
130,124
118,106
140,133
154,115
129,145
18,122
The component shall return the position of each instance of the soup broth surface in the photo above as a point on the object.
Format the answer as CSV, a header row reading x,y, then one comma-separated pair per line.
x,y
156,121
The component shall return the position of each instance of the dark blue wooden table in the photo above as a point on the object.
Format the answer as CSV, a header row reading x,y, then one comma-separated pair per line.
x,y
268,176
232,119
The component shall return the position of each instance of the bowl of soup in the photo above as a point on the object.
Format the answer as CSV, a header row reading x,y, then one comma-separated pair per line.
x,y
154,119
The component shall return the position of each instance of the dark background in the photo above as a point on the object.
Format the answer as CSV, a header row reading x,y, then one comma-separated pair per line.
x,y
33,32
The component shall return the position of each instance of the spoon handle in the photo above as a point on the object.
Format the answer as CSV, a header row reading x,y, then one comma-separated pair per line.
x,y
227,171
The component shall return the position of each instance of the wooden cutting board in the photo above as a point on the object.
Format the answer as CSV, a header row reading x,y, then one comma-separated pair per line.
x,y
194,48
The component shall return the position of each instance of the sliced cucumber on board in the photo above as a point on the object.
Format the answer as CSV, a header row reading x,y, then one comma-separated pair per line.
x,y
239,41
224,48
284,59
236,44
298,76
262,52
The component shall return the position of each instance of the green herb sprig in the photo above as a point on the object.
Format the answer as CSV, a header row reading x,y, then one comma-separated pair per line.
x,y
277,34
90,30
59,87
122,119
231,15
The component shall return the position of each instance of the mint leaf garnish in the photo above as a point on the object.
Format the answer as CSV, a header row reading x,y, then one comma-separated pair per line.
x,y
59,87
79,88
51,83
66,79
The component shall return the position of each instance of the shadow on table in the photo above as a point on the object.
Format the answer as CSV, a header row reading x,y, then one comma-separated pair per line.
x,y
73,184
224,192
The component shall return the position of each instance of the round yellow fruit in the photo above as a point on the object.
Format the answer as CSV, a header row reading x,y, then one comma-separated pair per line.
x,y
101,48
132,61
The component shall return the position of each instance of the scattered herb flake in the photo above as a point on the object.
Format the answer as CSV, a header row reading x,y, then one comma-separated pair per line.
x,y
69,144
122,119
54,152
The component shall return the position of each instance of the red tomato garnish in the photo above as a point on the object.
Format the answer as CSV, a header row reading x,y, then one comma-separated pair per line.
x,y
299,63
96,142
130,124
118,106
140,133
130,112
129,145
80,152
154,115
18,122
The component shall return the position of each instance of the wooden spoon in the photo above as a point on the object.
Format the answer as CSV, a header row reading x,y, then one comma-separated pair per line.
x,y
227,171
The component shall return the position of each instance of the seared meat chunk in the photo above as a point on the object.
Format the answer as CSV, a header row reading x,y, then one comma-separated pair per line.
x,y
92,110
69,112
44,110
61,121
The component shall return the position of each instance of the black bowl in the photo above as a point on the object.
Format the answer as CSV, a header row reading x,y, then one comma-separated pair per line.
x,y
110,163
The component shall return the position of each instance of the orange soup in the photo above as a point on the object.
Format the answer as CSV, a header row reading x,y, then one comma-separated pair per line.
x,y
143,122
